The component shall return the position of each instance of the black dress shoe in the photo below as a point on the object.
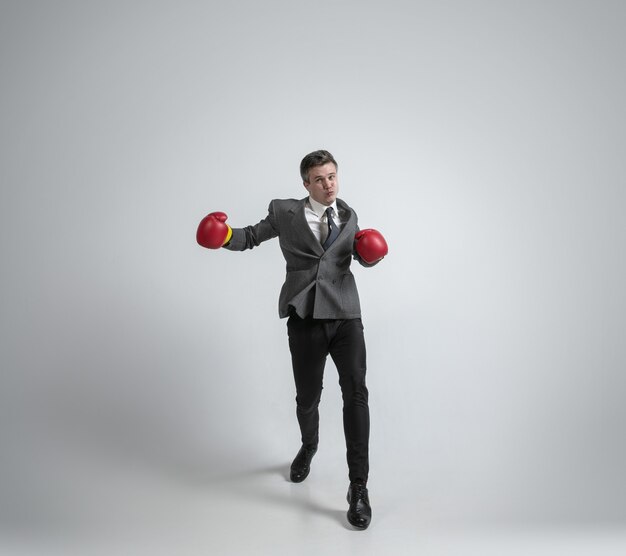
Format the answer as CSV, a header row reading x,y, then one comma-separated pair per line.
x,y
302,463
359,512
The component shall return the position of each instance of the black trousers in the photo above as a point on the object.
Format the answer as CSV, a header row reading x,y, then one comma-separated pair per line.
x,y
310,342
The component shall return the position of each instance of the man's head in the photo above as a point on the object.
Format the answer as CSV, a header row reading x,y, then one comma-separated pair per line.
x,y
319,175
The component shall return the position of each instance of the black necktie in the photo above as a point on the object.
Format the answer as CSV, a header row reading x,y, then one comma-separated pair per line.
x,y
333,230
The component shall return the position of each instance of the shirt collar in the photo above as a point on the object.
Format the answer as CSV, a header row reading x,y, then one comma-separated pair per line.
x,y
319,208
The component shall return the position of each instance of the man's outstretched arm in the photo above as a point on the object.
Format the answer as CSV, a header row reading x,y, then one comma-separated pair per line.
x,y
213,232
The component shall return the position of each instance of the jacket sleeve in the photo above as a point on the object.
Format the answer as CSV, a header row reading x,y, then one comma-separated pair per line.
x,y
252,236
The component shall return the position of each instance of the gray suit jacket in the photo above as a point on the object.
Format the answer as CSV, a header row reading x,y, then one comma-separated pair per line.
x,y
318,283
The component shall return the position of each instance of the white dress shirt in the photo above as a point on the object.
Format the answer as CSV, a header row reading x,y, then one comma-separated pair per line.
x,y
315,214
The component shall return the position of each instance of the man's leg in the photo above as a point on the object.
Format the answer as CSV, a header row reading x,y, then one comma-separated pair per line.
x,y
309,347
347,348
348,352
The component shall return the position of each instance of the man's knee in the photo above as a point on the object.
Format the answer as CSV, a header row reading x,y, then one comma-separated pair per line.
x,y
354,389
306,405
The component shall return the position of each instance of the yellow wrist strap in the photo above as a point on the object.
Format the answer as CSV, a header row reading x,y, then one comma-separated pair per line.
x,y
229,235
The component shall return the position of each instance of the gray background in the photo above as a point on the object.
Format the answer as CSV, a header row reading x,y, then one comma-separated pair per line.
x,y
484,139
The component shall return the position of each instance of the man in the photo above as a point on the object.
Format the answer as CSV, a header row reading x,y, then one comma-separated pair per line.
x,y
319,237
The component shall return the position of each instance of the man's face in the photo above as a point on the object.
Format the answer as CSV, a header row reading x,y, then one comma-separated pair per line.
x,y
323,185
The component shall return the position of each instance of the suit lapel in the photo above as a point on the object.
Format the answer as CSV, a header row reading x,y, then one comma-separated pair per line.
x,y
302,229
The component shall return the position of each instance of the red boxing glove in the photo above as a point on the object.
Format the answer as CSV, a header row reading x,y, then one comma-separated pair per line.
x,y
370,245
213,232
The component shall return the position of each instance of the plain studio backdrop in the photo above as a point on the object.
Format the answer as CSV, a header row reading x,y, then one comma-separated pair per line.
x,y
486,140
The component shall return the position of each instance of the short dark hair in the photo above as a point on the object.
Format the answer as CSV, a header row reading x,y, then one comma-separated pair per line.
x,y
316,158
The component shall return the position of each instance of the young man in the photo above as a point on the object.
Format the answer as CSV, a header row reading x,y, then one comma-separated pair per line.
x,y
319,237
